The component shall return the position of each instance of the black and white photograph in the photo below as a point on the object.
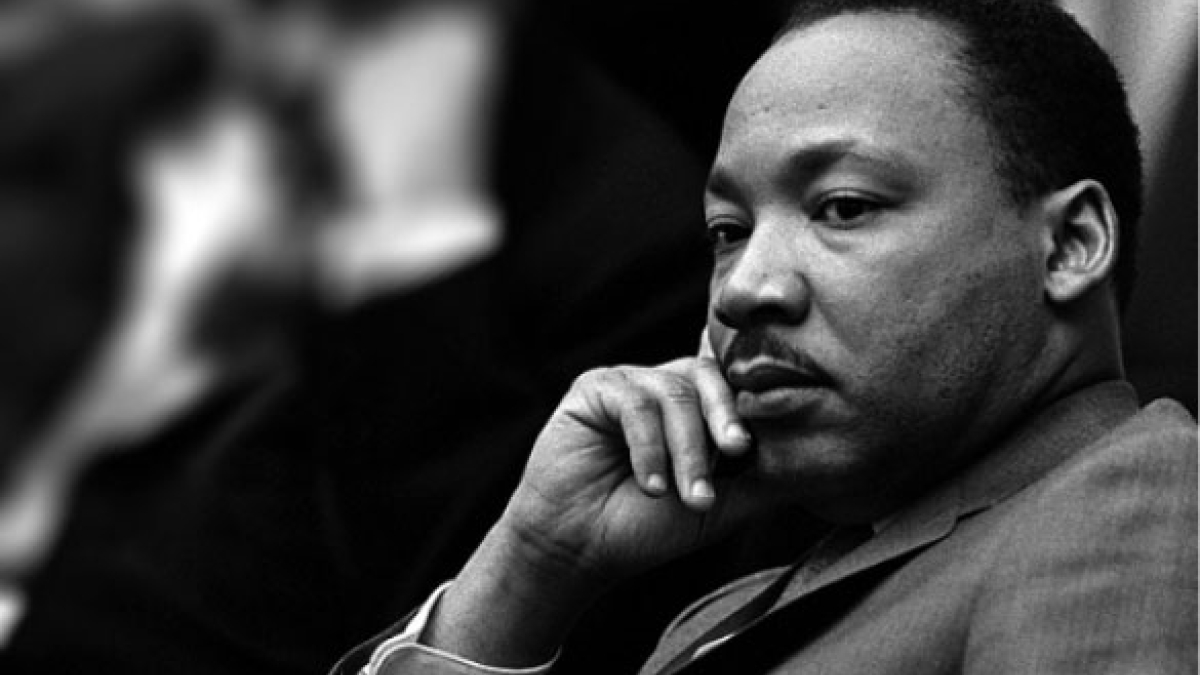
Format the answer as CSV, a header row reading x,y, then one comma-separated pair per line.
x,y
532,337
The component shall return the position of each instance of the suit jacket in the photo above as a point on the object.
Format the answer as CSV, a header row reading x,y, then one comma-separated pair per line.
x,y
1070,548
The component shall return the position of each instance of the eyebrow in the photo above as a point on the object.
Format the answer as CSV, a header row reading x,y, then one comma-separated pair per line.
x,y
809,159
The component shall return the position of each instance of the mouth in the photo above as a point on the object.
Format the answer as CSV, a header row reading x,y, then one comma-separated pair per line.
x,y
767,389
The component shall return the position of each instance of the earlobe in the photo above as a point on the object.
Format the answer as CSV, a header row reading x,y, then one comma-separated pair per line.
x,y
1081,240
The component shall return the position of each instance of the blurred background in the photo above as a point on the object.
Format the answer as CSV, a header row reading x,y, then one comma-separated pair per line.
x,y
259,259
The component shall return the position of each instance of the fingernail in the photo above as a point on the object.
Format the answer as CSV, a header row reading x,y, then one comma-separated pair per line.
x,y
702,491
737,433
656,483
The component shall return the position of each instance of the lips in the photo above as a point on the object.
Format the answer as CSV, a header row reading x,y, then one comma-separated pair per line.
x,y
770,390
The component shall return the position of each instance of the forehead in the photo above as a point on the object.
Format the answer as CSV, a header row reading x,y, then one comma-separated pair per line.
x,y
888,81
900,55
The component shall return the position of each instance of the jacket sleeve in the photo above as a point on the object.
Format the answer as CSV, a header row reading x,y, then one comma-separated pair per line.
x,y
354,661
398,651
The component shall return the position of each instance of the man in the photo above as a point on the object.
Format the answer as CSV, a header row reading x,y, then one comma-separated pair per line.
x,y
922,220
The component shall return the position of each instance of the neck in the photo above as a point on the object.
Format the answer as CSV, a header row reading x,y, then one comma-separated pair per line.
x,y
1077,351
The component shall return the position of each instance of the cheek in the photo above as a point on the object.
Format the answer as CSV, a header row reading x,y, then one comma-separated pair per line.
x,y
918,333
874,311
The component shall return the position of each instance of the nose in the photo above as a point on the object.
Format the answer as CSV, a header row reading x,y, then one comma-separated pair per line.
x,y
765,283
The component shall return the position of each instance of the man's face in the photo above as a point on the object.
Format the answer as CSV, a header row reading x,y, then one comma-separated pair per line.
x,y
875,294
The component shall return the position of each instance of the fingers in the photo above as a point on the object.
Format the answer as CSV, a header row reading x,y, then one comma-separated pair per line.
x,y
666,416
716,399
716,402
660,419
642,427
687,442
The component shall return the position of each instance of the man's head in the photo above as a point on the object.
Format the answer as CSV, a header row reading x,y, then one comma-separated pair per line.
x,y
1050,96
897,277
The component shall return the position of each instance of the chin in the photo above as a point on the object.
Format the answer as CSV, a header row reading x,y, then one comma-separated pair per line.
x,y
810,461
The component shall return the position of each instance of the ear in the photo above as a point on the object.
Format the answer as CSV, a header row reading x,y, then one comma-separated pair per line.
x,y
1081,240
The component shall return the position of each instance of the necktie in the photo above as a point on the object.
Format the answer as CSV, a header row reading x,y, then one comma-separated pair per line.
x,y
822,555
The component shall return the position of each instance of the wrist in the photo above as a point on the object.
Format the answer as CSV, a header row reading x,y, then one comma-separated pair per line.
x,y
513,604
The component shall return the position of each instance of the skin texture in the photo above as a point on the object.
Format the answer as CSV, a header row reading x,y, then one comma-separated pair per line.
x,y
858,222
880,313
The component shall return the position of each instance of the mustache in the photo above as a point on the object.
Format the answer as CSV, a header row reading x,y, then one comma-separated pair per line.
x,y
750,344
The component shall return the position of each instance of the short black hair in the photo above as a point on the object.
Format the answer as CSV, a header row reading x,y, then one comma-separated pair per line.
x,y
1051,97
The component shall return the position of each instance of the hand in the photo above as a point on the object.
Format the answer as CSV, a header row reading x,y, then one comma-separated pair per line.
x,y
620,478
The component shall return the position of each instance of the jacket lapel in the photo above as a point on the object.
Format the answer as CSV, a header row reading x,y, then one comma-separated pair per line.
x,y
905,535
1026,455
811,575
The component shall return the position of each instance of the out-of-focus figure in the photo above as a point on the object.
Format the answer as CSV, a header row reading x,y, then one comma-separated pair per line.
x,y
481,212
409,108
69,236
142,231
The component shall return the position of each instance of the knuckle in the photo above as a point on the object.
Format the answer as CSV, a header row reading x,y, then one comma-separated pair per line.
x,y
591,379
640,403
682,364
626,384
681,367
607,377
678,391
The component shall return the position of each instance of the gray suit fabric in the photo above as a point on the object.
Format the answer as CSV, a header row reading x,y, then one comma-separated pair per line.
x,y
1070,548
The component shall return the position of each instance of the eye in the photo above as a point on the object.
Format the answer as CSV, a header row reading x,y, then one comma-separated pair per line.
x,y
845,210
723,234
